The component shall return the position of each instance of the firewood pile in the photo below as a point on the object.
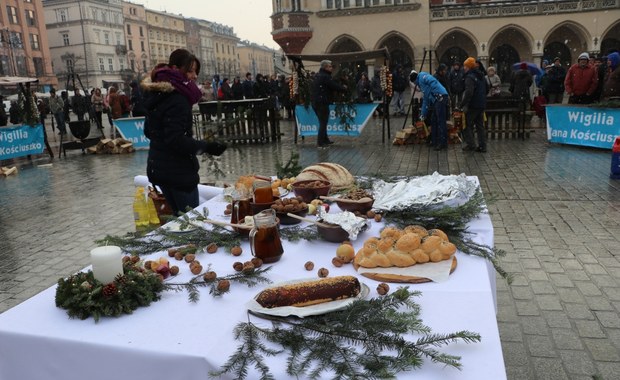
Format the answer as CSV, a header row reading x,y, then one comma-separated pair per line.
x,y
112,146
6,171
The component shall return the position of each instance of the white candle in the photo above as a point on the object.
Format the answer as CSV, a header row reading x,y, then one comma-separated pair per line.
x,y
107,263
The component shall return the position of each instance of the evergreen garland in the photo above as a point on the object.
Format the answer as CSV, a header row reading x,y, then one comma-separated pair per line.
x,y
363,341
83,296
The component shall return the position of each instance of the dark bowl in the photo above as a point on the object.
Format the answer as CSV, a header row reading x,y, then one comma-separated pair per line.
x,y
258,207
287,220
362,207
310,193
334,233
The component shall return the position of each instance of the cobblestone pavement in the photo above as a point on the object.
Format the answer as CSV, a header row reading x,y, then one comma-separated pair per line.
x,y
554,209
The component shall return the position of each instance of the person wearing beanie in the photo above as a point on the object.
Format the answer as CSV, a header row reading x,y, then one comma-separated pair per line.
x,y
435,97
581,81
473,104
457,85
520,84
324,87
611,86
553,86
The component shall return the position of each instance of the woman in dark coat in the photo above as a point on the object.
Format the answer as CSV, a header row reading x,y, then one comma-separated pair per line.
x,y
170,93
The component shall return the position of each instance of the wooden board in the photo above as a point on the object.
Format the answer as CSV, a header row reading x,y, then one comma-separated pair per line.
x,y
400,278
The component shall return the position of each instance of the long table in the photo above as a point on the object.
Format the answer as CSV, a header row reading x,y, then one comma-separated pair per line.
x,y
176,339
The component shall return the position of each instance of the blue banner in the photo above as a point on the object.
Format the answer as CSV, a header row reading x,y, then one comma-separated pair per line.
x,y
132,129
308,123
21,140
583,125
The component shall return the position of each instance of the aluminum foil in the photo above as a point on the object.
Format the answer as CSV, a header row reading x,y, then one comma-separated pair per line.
x,y
430,190
346,219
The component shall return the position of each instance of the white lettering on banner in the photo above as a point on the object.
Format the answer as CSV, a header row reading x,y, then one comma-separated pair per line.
x,y
16,134
143,139
307,128
591,136
139,125
349,113
587,119
342,128
559,133
21,148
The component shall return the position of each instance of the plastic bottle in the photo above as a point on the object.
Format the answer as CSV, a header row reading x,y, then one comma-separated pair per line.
x,y
140,210
152,211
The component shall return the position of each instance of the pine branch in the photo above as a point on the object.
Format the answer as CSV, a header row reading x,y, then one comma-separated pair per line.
x,y
352,342
297,233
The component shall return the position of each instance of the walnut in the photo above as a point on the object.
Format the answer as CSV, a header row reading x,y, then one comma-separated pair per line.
x,y
135,259
126,259
178,256
257,261
238,266
196,269
147,264
337,261
378,217
190,257
174,270
236,250
209,276
309,265
383,288
223,285
248,267
212,248
323,272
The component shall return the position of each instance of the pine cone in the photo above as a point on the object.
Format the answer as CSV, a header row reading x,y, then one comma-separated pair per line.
x,y
109,290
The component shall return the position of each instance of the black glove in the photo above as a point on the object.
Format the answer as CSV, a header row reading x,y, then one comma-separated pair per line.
x,y
214,148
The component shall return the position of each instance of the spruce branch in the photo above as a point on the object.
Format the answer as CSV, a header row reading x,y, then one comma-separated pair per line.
x,y
353,343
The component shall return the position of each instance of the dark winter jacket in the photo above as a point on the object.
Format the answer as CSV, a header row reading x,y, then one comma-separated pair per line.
x,y
475,95
323,88
457,85
520,84
611,87
237,90
399,82
248,89
172,158
555,80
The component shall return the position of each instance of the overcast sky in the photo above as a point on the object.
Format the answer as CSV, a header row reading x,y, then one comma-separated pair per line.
x,y
249,18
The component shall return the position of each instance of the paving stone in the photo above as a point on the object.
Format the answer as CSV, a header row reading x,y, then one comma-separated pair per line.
x,y
589,329
542,287
546,302
607,370
549,369
540,346
577,362
566,339
561,280
526,308
602,350
608,319
587,288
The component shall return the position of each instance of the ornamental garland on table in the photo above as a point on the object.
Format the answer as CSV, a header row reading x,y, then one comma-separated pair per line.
x,y
363,341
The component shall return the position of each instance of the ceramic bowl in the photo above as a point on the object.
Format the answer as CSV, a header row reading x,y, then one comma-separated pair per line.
x,y
287,220
310,193
334,233
361,207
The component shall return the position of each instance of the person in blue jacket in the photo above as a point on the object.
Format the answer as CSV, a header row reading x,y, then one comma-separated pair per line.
x,y
435,96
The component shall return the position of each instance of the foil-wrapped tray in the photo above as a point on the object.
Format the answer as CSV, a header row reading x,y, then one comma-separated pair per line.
x,y
431,190
346,219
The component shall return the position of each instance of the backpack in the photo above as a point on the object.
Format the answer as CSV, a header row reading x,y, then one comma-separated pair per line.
x,y
220,93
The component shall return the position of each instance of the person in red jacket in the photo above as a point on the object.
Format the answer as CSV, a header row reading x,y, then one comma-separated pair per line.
x,y
581,81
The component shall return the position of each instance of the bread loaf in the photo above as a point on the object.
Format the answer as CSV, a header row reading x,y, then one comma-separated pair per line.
x,y
310,292
338,175
403,248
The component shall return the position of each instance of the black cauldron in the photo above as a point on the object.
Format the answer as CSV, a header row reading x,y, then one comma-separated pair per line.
x,y
80,129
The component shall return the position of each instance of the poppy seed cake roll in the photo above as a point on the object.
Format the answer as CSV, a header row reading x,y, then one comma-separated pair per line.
x,y
310,292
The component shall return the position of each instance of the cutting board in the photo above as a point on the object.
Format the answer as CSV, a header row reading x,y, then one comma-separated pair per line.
x,y
401,278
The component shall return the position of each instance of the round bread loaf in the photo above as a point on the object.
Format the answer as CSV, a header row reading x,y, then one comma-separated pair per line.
x,y
338,175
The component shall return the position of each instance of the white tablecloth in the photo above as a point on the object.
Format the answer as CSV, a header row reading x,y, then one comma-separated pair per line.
x,y
176,339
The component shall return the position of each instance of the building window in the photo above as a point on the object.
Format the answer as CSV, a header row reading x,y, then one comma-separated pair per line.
x,y
106,38
121,64
30,21
142,45
128,30
144,66
69,64
62,15
34,42
119,39
132,64
141,32
39,70
110,64
17,40
11,13
130,44
217,48
101,64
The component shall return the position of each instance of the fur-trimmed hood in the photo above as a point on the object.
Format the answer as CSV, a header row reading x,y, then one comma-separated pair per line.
x,y
148,85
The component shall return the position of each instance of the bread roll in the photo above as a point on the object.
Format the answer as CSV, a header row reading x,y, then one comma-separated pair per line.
x,y
310,292
338,175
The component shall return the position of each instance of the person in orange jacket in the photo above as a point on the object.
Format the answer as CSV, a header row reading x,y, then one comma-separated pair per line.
x,y
581,81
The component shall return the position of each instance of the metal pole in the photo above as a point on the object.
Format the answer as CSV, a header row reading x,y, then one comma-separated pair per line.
x,y
84,43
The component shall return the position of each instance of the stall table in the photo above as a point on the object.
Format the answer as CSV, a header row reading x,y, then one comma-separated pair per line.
x,y
176,339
